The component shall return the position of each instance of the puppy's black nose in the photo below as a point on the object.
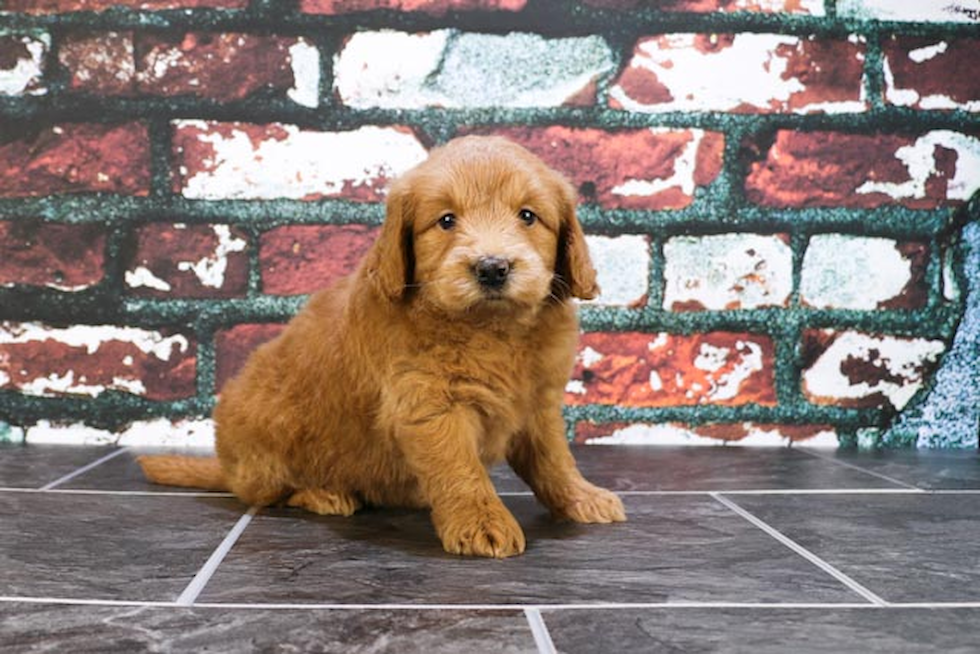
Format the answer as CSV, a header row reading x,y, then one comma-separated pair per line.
x,y
491,272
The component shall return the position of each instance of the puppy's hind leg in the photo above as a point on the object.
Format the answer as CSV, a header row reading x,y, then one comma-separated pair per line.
x,y
325,502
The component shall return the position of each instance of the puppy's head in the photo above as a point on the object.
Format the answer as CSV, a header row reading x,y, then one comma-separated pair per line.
x,y
482,224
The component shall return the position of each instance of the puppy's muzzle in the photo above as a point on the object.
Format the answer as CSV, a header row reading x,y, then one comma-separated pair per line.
x,y
491,272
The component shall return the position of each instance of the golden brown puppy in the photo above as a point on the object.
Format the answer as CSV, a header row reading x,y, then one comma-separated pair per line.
x,y
447,351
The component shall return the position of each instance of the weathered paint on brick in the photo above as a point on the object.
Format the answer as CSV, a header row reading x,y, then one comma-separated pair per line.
x,y
222,67
854,369
217,161
623,267
297,259
22,63
177,260
433,7
638,369
631,169
77,158
158,432
860,272
85,360
451,69
235,344
727,271
938,11
929,73
828,169
100,63
62,257
809,7
775,73
741,433
58,6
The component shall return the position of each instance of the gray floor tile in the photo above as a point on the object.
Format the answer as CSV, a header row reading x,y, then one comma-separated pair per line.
x,y
106,630
766,631
107,547
33,466
672,548
654,468
905,548
931,469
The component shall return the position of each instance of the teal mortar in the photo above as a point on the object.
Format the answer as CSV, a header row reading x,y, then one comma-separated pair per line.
x,y
718,208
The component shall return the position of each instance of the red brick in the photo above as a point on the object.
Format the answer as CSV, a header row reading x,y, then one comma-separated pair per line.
x,y
222,67
778,73
189,261
64,257
599,162
60,6
90,360
298,259
218,66
434,7
814,7
77,158
829,169
637,369
234,345
932,73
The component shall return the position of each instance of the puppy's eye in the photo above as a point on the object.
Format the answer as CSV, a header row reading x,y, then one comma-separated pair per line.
x,y
447,222
527,216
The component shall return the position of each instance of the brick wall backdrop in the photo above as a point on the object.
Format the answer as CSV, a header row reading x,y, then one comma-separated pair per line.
x,y
777,195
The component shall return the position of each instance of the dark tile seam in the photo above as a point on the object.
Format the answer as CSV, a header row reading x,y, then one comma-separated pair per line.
x,y
83,469
802,551
858,468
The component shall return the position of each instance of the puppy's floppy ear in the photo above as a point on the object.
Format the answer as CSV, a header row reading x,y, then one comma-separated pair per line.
x,y
574,273
391,260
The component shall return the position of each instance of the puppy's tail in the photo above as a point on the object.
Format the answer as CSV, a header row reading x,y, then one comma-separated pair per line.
x,y
186,471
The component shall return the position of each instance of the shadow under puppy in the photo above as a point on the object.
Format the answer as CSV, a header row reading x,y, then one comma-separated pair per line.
x,y
447,351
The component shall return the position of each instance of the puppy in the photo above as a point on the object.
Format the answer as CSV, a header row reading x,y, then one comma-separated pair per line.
x,y
447,351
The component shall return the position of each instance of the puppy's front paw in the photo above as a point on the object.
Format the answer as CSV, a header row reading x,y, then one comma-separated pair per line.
x,y
591,504
489,530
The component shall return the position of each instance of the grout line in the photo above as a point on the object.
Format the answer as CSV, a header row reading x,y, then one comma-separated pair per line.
x,y
802,551
609,606
540,631
83,469
203,576
858,468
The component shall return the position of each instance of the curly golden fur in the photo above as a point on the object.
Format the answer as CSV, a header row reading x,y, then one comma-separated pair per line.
x,y
447,351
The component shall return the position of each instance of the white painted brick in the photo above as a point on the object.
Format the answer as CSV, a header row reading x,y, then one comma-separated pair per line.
x,y
959,11
671,434
25,76
451,69
623,267
852,272
897,364
159,432
752,72
299,164
727,271
919,159
304,59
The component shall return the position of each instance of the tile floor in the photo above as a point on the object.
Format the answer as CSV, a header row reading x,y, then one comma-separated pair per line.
x,y
726,550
